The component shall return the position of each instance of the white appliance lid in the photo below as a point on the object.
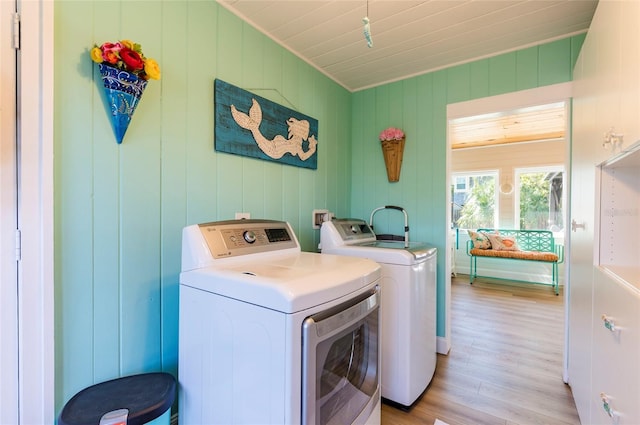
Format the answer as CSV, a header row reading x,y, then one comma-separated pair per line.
x,y
355,238
288,283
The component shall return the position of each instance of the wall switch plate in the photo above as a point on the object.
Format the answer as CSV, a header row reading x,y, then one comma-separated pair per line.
x,y
318,217
243,215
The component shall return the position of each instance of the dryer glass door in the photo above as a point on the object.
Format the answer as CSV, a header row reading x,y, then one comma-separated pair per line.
x,y
341,362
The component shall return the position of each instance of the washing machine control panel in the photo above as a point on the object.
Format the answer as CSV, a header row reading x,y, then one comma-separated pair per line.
x,y
241,237
353,229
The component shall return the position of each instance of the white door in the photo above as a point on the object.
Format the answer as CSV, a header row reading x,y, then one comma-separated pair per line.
x,y
8,222
26,201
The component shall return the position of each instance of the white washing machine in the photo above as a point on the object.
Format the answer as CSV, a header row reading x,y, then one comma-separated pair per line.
x,y
272,335
408,311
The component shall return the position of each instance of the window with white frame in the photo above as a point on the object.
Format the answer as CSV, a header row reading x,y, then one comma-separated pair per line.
x,y
540,198
474,199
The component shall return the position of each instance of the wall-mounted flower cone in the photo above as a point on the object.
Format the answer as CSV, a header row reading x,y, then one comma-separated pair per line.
x,y
123,90
393,151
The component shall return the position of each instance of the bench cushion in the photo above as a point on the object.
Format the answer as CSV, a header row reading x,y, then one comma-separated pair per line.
x,y
520,255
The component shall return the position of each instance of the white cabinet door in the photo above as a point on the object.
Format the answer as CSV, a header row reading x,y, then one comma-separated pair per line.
x,y
582,238
616,350
606,98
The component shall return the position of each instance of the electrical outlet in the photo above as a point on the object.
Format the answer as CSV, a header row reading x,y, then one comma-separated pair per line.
x,y
318,217
242,215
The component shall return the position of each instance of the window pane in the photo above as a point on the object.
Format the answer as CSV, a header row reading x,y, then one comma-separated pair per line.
x,y
474,206
541,200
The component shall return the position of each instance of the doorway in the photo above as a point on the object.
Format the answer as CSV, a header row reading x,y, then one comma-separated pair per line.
x,y
507,102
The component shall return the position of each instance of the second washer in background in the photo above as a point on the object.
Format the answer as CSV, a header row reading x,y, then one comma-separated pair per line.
x,y
408,304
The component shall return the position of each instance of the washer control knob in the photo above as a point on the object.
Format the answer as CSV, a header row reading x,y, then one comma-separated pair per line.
x,y
354,228
249,236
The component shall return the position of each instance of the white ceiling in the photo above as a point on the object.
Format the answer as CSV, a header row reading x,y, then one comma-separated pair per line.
x,y
410,37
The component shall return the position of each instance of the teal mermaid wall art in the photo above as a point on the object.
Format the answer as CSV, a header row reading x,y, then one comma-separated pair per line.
x,y
250,125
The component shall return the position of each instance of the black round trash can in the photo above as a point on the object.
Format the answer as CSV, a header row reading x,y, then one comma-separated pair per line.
x,y
145,397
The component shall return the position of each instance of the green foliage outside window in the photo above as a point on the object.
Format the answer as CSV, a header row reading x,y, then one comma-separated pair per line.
x,y
540,197
537,209
478,209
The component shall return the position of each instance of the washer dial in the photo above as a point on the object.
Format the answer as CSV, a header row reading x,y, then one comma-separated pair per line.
x,y
249,236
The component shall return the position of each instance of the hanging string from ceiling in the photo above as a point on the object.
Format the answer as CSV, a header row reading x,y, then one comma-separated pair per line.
x,y
367,28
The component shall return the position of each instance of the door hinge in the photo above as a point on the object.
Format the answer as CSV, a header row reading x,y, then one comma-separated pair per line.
x,y
18,245
16,31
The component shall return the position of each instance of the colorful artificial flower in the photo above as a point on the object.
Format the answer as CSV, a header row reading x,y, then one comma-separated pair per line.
x,y
391,133
132,59
127,56
152,69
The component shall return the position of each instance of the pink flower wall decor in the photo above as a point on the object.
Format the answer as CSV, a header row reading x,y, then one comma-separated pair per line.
x,y
392,143
391,133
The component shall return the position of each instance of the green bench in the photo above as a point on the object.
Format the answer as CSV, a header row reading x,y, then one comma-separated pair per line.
x,y
534,245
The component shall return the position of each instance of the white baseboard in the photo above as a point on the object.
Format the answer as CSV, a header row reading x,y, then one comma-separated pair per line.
x,y
443,345
525,274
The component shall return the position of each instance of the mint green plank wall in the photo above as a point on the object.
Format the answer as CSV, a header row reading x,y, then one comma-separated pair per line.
x,y
120,209
418,106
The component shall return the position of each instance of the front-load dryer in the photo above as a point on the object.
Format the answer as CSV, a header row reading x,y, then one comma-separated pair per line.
x,y
272,335
408,311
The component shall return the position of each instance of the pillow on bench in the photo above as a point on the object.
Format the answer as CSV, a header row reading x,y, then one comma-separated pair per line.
x,y
485,240
502,243
479,239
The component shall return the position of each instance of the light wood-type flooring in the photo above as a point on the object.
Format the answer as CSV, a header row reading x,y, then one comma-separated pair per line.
x,y
505,363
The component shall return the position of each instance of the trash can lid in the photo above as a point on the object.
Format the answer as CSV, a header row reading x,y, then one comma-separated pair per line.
x,y
147,396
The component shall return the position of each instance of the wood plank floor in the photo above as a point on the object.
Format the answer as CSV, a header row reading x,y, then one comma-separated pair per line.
x,y
505,363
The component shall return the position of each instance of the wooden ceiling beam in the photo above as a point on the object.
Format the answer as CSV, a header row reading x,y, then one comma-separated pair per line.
x,y
556,135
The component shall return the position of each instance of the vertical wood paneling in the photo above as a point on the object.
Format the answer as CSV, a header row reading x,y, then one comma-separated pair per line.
x,y
502,76
479,79
377,173
344,140
331,156
175,43
396,119
106,172
230,168
555,62
253,170
202,61
424,156
73,204
436,231
409,172
458,83
140,191
527,68
120,209
308,186
325,109
358,152
291,184
272,80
